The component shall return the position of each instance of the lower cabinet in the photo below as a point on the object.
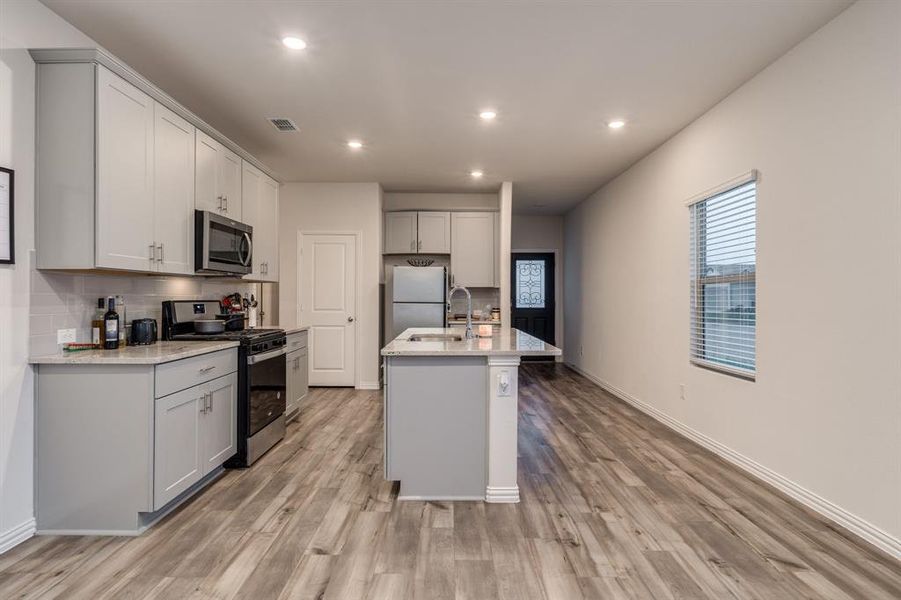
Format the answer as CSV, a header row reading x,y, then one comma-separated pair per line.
x,y
298,380
116,443
194,432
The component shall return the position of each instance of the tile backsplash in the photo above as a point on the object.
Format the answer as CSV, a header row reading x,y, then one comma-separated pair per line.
x,y
69,301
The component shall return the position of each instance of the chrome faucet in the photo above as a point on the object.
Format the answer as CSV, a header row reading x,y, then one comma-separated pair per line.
x,y
450,296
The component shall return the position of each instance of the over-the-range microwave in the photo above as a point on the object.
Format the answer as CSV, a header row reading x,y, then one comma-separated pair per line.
x,y
221,245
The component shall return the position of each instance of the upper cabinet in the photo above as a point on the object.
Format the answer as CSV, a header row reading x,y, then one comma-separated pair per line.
x,y
412,232
218,185
173,191
400,232
434,232
121,168
260,210
474,249
125,204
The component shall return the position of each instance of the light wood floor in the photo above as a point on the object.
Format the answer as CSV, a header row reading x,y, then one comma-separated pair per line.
x,y
614,505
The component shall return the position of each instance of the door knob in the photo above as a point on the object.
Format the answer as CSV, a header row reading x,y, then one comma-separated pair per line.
x,y
350,319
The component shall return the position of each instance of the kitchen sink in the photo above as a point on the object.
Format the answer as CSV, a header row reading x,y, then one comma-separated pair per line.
x,y
435,337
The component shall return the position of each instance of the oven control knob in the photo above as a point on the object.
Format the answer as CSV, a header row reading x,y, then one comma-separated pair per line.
x,y
278,395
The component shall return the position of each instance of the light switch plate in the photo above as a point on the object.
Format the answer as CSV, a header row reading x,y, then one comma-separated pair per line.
x,y
65,336
503,384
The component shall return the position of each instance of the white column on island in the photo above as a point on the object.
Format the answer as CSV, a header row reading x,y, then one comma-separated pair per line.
x,y
503,398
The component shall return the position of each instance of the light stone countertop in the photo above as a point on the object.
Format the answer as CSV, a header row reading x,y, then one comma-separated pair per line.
x,y
505,341
290,330
158,353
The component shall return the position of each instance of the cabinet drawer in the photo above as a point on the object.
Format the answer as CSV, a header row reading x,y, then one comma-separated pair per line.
x,y
297,340
182,374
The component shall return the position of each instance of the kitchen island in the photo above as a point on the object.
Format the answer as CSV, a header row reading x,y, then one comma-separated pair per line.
x,y
450,412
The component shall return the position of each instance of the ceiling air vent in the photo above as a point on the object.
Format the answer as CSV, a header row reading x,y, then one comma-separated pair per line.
x,y
283,124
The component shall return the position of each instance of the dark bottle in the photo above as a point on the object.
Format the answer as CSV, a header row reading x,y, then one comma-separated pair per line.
x,y
111,325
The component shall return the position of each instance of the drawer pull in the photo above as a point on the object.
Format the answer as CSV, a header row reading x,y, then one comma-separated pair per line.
x,y
207,369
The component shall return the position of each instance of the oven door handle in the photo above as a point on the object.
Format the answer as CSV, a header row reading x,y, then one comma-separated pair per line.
x,y
257,358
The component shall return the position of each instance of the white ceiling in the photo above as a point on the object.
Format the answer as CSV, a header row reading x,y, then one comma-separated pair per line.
x,y
408,78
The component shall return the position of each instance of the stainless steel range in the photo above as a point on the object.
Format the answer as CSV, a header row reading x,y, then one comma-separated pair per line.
x,y
261,375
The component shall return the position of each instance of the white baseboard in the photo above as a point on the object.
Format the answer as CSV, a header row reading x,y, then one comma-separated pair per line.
x,y
502,495
439,498
369,385
16,535
856,525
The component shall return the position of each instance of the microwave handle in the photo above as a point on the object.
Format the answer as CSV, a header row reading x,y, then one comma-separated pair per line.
x,y
247,260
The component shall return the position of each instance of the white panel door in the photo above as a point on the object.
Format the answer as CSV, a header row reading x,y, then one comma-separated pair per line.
x,y
400,232
228,182
473,249
173,191
219,425
206,173
327,293
176,449
268,220
251,180
124,175
434,231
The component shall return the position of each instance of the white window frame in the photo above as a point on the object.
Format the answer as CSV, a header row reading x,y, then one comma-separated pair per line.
x,y
695,281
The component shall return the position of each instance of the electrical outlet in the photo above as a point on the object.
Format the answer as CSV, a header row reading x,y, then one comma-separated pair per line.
x,y
65,336
682,391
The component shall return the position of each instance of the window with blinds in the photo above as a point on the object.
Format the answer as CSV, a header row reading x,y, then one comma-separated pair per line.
x,y
723,287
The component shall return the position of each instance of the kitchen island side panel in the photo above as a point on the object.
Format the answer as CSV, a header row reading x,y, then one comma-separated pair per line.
x,y
94,436
436,426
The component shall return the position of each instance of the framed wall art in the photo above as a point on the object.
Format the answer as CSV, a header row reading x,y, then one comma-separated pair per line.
x,y
7,222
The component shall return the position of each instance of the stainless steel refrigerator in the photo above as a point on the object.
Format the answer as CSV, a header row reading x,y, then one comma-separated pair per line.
x,y
417,297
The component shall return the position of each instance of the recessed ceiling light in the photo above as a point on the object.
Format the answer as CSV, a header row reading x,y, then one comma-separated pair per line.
x,y
476,174
487,115
355,144
295,43
616,124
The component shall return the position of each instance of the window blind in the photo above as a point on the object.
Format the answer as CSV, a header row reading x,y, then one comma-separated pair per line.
x,y
723,286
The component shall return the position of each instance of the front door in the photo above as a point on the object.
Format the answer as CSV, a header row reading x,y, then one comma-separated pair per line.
x,y
327,298
532,286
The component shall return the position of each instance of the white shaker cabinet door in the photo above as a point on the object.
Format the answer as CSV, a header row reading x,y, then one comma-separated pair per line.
x,y
173,191
434,233
124,237
251,183
400,233
206,174
473,249
229,183
267,240
219,425
177,463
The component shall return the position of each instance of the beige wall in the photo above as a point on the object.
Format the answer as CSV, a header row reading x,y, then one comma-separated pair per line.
x,y
23,24
334,207
440,201
822,125
545,233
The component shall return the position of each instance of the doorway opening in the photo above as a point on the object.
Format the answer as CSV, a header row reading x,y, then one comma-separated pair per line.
x,y
532,302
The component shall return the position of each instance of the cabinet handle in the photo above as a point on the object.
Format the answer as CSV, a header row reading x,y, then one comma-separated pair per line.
x,y
412,245
419,245
225,198
152,252
209,400
160,247
206,369
203,404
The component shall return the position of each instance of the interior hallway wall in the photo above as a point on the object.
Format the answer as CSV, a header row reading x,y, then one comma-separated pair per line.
x,y
336,207
544,233
23,24
823,126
